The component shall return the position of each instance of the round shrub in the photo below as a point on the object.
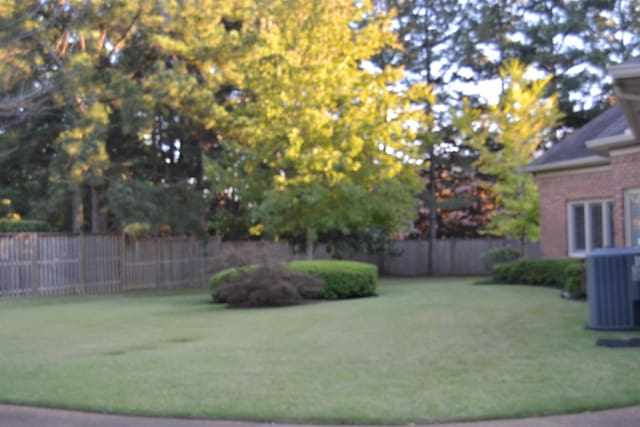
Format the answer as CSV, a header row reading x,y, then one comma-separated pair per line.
x,y
266,286
342,279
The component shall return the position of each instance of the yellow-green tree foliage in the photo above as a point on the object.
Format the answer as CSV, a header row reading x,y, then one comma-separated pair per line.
x,y
516,127
298,131
322,142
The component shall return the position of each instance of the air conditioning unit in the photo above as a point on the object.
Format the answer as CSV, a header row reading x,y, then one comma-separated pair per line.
x,y
613,288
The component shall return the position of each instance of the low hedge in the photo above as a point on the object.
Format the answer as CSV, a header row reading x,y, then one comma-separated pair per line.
x,y
575,281
23,226
343,279
564,274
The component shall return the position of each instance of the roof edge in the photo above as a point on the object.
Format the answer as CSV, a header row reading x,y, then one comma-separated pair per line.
x,y
581,162
602,146
624,71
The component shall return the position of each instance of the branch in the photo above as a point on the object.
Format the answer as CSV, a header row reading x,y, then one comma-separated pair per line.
x,y
123,36
102,40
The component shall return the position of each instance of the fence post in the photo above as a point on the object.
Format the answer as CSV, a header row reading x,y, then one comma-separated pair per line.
x,y
419,255
35,271
192,264
453,257
122,249
158,272
81,259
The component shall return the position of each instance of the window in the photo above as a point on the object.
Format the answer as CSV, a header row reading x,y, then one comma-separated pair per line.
x,y
632,216
590,226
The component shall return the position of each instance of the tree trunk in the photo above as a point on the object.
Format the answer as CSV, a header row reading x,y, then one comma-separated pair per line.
x,y
309,244
98,212
433,218
77,209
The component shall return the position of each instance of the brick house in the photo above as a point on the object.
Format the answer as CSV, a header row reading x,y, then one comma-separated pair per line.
x,y
590,182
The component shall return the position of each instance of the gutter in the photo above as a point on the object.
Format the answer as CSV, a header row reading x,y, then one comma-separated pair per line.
x,y
625,71
582,162
603,146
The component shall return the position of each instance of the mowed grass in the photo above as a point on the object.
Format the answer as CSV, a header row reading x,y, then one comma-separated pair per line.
x,y
422,351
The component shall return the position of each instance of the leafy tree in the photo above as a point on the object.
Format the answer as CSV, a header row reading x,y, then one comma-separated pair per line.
x,y
28,117
516,127
127,91
23,63
463,197
320,142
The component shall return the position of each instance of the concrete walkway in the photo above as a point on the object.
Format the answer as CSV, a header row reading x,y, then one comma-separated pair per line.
x,y
25,416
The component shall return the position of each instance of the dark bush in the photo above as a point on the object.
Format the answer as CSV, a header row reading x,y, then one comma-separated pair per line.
x,y
534,272
342,279
227,276
574,285
267,286
23,226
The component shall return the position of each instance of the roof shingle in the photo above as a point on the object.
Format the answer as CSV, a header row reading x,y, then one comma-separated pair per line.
x,y
610,123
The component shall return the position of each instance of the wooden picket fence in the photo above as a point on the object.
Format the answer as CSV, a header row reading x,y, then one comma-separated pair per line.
x,y
58,264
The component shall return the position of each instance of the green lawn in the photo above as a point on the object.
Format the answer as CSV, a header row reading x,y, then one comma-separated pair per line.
x,y
424,350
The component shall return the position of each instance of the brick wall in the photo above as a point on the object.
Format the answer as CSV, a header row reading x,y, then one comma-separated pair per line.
x,y
626,175
558,189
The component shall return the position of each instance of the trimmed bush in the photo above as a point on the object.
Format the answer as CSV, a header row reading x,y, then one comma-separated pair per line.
x,y
550,272
342,279
267,286
24,226
575,281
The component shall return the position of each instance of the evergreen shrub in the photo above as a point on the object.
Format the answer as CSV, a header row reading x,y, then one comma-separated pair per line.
x,y
340,280
548,272
575,280
343,279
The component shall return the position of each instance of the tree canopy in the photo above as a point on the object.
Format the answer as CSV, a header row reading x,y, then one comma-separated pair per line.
x,y
294,119
513,129
323,142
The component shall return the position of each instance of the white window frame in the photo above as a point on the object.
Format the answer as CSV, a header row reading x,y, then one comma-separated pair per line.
x,y
627,216
606,224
